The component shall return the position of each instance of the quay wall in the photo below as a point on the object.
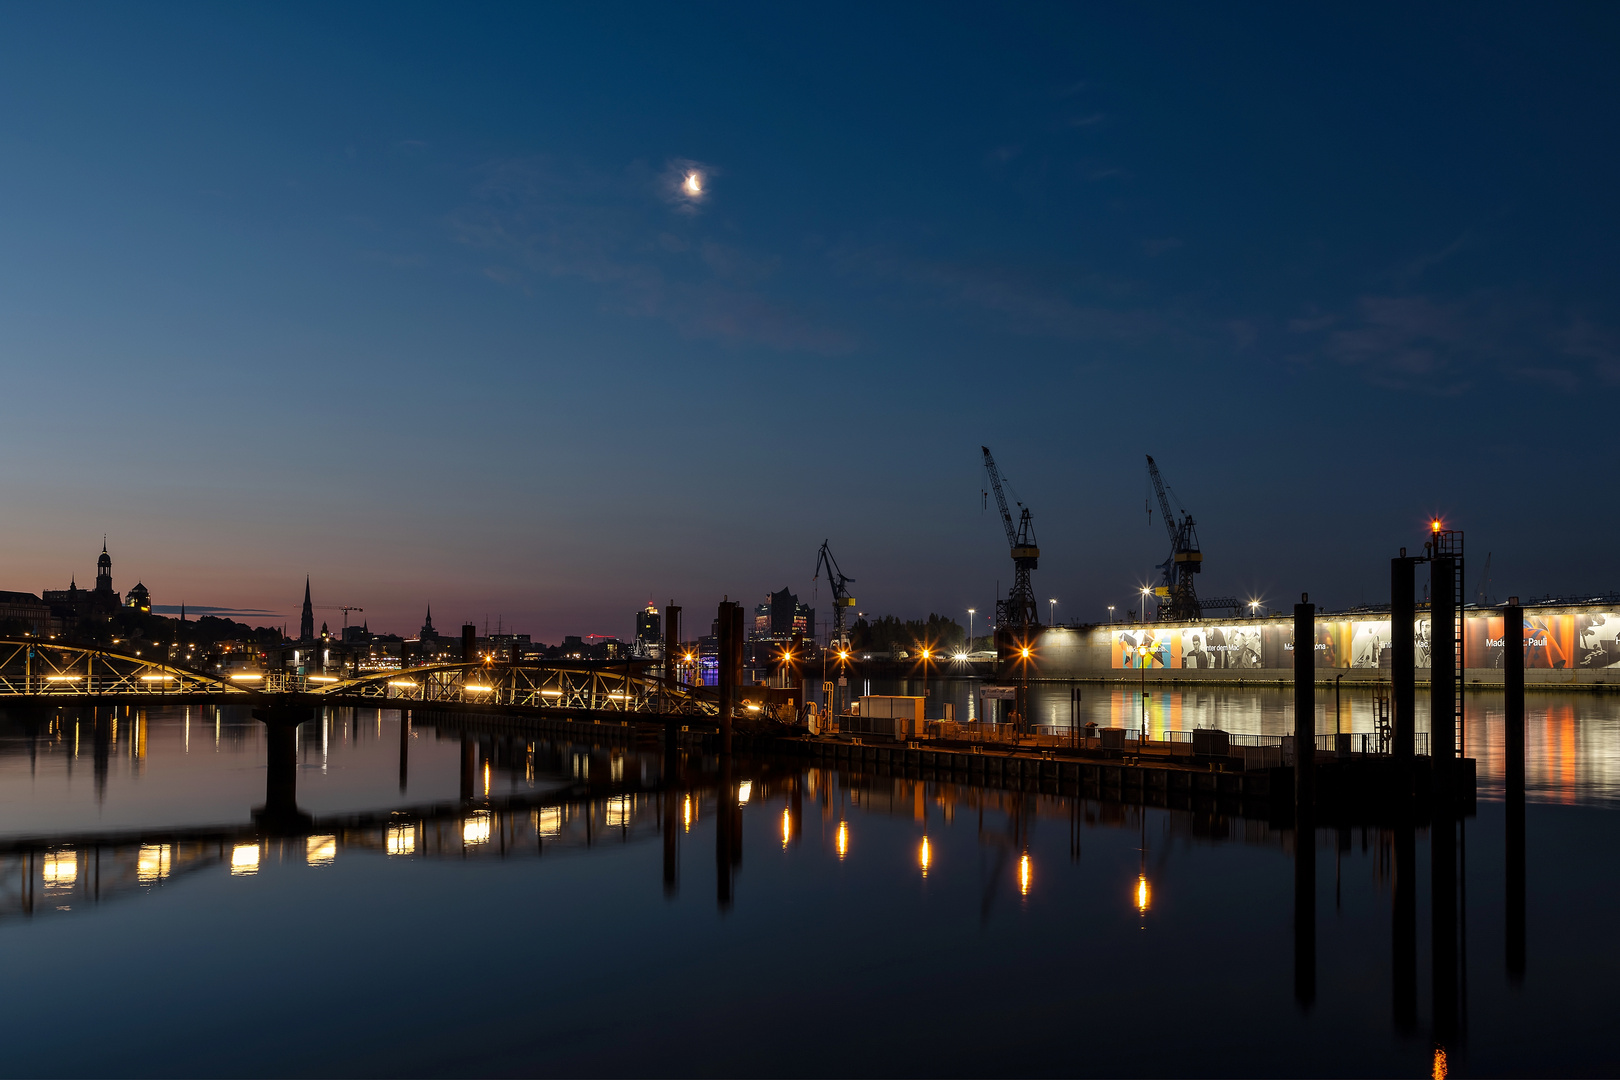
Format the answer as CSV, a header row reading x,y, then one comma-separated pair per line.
x,y
1565,646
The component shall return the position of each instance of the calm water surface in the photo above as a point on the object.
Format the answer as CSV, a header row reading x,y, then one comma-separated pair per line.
x,y
831,924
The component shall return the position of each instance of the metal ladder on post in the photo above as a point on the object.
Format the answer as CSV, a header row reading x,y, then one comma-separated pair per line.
x,y
1450,543
1382,725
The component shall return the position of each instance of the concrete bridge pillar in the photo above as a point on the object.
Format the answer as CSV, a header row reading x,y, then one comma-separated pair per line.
x,y
280,814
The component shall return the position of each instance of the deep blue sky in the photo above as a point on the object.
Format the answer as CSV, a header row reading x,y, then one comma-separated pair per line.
x,y
408,299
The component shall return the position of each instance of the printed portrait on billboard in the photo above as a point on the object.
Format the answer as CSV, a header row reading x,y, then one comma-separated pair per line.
x,y
1220,648
1195,651
1239,646
1421,639
1332,643
1370,644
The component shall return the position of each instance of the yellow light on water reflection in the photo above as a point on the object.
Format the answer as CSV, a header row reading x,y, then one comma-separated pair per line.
x,y
401,839
61,869
244,860
486,778
1024,874
152,864
686,813
843,839
320,850
744,789
476,829
548,820
618,812
787,828
1144,894
1438,1072
923,855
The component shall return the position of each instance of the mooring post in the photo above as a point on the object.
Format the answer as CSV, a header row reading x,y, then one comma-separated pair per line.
x,y
469,643
737,638
1513,710
1305,802
1442,671
1403,666
1304,703
726,626
1443,601
672,659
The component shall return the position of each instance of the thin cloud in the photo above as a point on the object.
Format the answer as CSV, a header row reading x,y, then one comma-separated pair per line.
x,y
539,218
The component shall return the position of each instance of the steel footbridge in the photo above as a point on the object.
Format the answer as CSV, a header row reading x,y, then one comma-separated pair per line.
x,y
46,672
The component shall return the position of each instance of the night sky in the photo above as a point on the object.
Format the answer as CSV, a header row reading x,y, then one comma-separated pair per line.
x,y
416,300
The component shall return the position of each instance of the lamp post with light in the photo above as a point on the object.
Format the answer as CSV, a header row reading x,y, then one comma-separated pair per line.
x,y
1142,650
1051,612
926,654
1110,614
970,629
1146,590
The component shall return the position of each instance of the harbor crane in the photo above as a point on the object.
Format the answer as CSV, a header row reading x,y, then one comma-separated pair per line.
x,y
1018,609
1178,598
842,601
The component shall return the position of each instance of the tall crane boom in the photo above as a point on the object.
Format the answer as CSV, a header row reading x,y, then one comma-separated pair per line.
x,y
1164,500
1178,599
1018,609
1001,500
842,601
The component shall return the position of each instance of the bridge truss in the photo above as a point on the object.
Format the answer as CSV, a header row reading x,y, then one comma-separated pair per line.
x,y
562,687
43,668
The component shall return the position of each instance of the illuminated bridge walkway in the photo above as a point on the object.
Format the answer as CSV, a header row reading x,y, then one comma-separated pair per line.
x,y
44,671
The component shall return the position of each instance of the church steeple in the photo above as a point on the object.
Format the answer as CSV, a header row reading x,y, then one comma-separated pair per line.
x,y
306,622
428,633
104,569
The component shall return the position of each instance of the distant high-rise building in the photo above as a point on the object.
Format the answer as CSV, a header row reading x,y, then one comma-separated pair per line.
x,y
306,622
140,599
647,626
781,615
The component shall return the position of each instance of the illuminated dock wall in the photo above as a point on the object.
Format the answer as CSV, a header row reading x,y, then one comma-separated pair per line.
x,y
1563,646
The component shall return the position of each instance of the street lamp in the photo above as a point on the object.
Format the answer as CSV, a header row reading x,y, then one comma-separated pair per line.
x,y
925,653
970,629
1051,612
1110,612
1254,606
1146,590
1142,651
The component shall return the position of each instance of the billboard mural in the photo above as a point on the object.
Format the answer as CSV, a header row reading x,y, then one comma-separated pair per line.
x,y
1146,648
1556,641
1221,647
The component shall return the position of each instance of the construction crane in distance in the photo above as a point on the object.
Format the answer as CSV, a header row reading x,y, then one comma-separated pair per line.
x,y
842,601
1178,598
1018,609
